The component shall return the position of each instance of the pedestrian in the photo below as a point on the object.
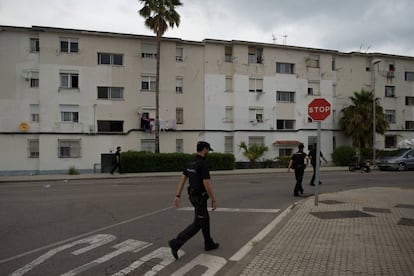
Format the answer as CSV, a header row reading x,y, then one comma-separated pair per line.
x,y
199,191
298,162
117,161
312,157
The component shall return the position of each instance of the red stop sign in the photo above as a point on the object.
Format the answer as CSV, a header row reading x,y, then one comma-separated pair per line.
x,y
319,109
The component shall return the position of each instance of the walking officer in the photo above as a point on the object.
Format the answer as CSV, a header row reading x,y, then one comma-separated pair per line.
x,y
297,162
199,191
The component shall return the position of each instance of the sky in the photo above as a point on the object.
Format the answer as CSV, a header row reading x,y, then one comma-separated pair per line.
x,y
369,26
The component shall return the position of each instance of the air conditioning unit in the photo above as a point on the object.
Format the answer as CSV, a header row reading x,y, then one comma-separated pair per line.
x,y
27,74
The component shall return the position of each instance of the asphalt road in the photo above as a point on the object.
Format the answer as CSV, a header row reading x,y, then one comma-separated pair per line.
x,y
116,226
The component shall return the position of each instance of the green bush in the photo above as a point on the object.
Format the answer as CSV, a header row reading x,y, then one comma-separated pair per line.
x,y
342,156
73,171
133,161
283,161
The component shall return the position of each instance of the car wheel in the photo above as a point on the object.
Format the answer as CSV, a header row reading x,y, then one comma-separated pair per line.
x,y
401,167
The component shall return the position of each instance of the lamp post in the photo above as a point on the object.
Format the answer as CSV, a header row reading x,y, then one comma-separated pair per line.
x,y
375,62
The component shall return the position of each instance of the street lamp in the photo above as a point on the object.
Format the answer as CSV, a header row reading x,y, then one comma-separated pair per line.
x,y
375,62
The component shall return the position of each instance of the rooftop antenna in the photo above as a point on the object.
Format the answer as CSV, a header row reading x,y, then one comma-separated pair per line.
x,y
285,39
274,38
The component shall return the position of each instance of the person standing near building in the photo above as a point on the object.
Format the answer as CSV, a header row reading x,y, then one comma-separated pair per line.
x,y
117,160
298,162
199,191
312,156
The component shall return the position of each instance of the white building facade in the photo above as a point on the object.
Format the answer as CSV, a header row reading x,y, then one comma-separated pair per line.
x,y
67,96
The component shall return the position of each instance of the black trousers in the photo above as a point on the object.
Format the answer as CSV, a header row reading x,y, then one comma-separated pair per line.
x,y
117,165
299,177
201,221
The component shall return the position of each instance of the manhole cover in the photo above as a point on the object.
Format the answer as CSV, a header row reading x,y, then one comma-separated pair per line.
x,y
340,214
330,202
406,221
408,206
376,210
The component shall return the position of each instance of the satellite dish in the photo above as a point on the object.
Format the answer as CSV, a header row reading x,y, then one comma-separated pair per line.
x,y
24,126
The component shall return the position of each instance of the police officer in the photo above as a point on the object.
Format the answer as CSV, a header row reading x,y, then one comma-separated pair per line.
x,y
199,191
298,162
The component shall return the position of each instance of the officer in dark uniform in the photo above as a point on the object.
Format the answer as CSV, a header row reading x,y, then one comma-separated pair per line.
x,y
298,162
199,191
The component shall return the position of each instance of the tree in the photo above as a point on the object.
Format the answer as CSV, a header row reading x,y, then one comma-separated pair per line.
x,y
159,14
356,121
253,152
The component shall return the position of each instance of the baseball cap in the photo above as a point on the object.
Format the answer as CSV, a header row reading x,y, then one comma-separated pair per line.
x,y
203,144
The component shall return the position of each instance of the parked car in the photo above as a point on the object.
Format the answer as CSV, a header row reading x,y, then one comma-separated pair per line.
x,y
401,161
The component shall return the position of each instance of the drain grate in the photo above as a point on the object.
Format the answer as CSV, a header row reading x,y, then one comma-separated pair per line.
x,y
376,210
330,202
407,206
406,221
341,214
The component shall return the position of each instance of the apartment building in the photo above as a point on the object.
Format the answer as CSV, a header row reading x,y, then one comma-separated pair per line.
x,y
69,95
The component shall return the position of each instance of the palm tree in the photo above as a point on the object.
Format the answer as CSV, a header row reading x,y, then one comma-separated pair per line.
x,y
356,121
253,152
159,14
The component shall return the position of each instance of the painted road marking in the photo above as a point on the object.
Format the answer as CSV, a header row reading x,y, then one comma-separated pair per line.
x,y
246,248
123,247
84,235
247,210
163,254
213,264
94,241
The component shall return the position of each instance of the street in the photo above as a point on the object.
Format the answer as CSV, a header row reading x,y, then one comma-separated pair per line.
x,y
120,226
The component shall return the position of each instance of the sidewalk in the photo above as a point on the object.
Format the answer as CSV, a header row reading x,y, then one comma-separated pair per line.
x,y
358,232
66,177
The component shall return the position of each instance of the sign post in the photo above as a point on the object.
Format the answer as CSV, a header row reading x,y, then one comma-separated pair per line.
x,y
318,110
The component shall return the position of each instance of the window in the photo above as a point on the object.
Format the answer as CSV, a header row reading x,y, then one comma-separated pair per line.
x,y
69,148
390,141
313,88
409,76
256,140
255,55
34,113
285,124
390,116
179,85
285,96
389,91
69,80
228,114
285,152
229,84
255,85
110,126
285,68
148,145
148,83
409,100
34,45
179,145
228,144
110,59
256,115
313,61
409,125
149,51
179,54
333,64
179,115
110,93
228,54
34,79
69,113
69,45
33,148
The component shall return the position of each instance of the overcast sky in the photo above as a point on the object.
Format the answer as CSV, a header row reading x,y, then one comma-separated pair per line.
x,y
352,25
